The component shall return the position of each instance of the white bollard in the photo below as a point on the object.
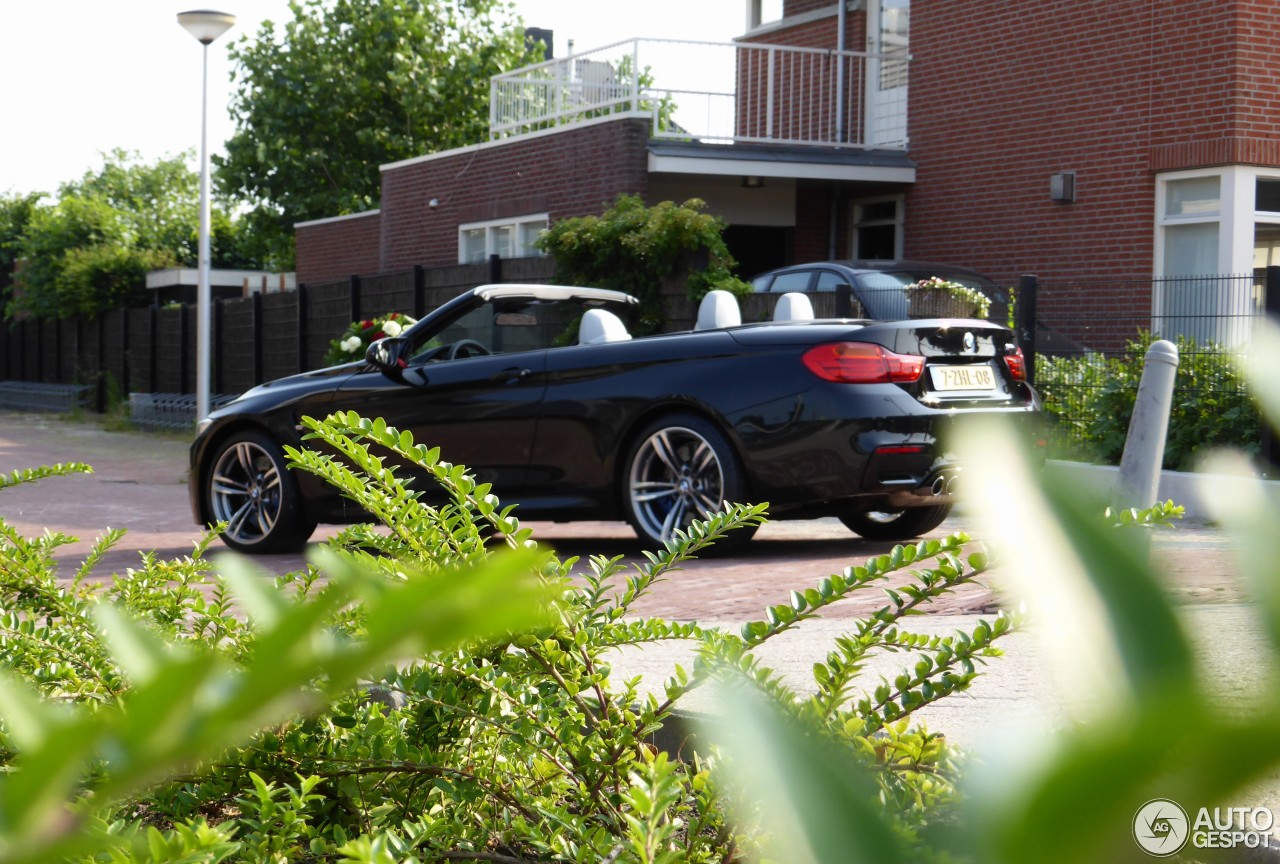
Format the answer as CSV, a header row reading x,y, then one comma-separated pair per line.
x,y
1139,481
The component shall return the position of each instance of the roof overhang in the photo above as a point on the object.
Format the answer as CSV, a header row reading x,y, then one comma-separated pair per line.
x,y
797,162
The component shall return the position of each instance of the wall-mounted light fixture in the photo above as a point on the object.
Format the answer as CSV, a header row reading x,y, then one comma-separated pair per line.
x,y
1062,187
752,182
434,202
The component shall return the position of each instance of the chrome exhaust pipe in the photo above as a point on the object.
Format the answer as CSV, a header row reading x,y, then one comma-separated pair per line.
x,y
939,484
953,483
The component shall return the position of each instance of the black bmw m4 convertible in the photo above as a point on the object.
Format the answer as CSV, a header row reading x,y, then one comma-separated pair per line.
x,y
541,391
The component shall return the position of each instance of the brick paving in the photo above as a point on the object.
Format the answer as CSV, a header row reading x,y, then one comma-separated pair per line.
x,y
139,484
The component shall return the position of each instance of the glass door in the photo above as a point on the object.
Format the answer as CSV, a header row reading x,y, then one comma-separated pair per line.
x,y
888,32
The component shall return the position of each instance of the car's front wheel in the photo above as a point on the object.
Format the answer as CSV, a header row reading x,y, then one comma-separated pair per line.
x,y
249,488
896,524
682,468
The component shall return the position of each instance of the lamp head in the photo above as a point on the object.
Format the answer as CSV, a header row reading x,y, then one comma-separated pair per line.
x,y
205,24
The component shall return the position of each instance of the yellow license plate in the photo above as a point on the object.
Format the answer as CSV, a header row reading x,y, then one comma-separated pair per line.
x,y
978,377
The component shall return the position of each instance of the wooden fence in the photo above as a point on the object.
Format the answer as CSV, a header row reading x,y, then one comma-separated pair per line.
x,y
254,339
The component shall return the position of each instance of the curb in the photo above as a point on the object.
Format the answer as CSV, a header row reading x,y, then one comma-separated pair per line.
x,y
1181,487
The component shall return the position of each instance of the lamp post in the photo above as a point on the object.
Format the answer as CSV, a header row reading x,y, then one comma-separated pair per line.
x,y
206,26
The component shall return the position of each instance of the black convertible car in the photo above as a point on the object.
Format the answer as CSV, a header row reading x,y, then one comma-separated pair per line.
x,y
541,391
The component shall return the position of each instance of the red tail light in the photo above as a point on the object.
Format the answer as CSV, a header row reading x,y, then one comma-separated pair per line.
x,y
1017,364
862,363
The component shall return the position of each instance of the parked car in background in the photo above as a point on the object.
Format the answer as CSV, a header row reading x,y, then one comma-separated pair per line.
x,y
878,286
541,391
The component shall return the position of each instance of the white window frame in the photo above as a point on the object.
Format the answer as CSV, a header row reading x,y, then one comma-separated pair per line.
x,y
856,221
492,226
1236,215
1264,217
1236,218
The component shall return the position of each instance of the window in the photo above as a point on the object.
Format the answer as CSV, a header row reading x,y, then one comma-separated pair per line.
x,y
1190,219
1212,224
507,238
877,228
508,325
796,281
1266,224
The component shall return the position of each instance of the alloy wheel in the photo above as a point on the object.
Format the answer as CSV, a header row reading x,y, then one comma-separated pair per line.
x,y
245,492
676,477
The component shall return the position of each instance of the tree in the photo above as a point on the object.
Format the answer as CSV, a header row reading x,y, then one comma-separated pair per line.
x,y
90,250
15,213
347,88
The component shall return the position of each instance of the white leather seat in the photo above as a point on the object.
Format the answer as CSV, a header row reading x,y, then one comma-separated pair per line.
x,y
793,306
718,309
601,325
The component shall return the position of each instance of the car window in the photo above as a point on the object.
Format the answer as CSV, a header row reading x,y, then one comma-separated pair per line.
x,y
829,280
504,326
882,295
796,281
761,283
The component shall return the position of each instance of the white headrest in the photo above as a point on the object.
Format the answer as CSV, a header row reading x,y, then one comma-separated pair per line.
x,y
793,306
601,325
718,309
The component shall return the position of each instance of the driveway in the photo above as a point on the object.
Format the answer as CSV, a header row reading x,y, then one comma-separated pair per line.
x,y
139,484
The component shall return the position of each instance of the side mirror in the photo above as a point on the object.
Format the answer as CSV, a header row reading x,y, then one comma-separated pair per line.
x,y
388,355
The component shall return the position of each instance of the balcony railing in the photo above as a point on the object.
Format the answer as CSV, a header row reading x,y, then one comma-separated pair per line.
x,y
714,92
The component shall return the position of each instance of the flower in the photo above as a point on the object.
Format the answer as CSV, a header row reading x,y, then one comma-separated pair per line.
x,y
355,341
979,303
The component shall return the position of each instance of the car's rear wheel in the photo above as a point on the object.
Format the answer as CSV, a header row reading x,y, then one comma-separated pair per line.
x,y
896,524
681,469
250,489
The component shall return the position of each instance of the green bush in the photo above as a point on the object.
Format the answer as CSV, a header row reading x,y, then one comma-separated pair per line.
x,y
635,249
405,701
1091,398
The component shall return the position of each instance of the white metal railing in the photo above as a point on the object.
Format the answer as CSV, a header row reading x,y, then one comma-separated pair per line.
x,y
714,92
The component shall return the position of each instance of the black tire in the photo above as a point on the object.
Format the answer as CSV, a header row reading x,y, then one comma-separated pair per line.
x,y
681,468
897,525
248,487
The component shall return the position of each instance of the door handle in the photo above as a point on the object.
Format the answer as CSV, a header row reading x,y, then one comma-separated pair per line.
x,y
510,376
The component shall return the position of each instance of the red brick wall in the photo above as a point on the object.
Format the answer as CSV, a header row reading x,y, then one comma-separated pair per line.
x,y
333,250
817,33
1004,95
799,7
813,215
570,173
1258,73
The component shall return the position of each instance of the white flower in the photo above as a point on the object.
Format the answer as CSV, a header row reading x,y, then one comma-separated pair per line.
x,y
352,344
391,328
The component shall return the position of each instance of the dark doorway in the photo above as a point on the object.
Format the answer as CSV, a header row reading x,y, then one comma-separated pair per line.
x,y
757,248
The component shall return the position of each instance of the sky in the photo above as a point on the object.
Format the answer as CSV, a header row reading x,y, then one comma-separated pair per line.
x,y
83,77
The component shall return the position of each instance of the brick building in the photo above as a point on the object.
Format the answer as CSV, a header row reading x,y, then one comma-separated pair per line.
x,y
1130,139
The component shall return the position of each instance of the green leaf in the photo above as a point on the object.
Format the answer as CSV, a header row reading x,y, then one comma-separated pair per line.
x,y
819,800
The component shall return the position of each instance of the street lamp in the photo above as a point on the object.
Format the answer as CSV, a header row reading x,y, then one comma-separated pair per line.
x,y
206,26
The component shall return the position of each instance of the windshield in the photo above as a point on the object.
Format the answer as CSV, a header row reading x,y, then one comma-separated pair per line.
x,y
504,326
